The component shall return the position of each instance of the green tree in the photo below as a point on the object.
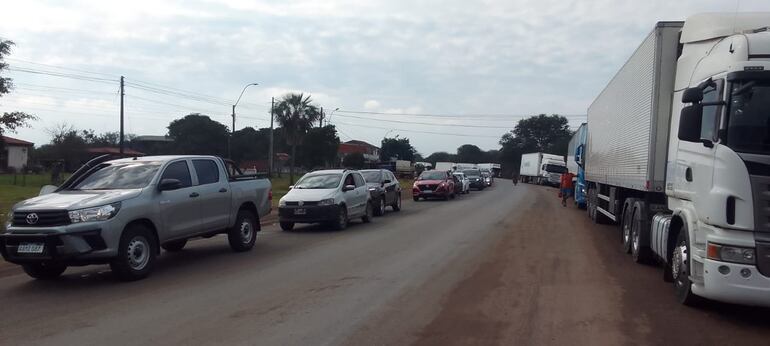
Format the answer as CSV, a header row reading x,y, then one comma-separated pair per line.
x,y
296,114
197,134
9,121
249,144
319,149
441,156
469,153
354,161
398,148
541,133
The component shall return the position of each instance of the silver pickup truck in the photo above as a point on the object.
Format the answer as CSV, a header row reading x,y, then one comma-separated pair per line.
x,y
123,211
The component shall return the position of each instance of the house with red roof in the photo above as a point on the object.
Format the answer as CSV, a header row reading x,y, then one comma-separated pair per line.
x,y
371,152
14,154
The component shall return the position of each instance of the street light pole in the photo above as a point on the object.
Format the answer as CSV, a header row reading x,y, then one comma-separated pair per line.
x,y
270,150
232,131
328,120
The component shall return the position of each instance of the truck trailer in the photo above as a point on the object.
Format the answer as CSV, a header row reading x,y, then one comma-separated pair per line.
x,y
542,168
575,160
678,155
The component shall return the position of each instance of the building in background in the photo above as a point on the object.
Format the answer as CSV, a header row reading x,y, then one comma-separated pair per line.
x,y
371,152
14,155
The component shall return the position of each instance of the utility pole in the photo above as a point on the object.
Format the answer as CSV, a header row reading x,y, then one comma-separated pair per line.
x,y
122,93
321,121
270,150
230,140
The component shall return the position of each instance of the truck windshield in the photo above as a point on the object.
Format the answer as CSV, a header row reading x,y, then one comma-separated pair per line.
x,y
121,176
555,169
748,128
472,173
372,176
319,181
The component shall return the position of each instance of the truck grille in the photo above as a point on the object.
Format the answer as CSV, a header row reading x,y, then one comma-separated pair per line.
x,y
760,187
44,218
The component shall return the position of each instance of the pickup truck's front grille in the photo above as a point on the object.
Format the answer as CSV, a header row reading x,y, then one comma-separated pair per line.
x,y
41,218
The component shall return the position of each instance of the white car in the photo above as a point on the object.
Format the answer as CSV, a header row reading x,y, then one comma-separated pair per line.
x,y
464,182
330,196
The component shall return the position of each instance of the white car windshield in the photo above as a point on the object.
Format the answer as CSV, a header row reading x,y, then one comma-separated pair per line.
x,y
319,181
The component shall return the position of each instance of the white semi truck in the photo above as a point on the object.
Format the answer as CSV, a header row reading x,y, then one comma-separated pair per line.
x,y
542,169
678,155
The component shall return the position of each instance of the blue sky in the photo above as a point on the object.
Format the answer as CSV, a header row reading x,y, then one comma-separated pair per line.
x,y
499,59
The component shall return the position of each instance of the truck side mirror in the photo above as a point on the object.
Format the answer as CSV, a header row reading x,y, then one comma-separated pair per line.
x,y
690,123
692,95
169,184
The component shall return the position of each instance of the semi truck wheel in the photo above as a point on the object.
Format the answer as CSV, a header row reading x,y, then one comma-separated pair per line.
x,y
680,271
244,233
44,271
626,225
640,252
136,254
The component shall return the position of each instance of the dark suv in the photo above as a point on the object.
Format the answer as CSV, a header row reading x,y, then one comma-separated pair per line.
x,y
384,188
475,178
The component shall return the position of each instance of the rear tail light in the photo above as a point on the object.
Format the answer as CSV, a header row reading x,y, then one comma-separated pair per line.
x,y
270,195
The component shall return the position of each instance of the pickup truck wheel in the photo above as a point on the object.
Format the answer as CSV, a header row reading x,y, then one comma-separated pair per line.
x,y
680,271
136,254
367,218
174,246
243,234
44,271
380,207
397,204
342,219
287,226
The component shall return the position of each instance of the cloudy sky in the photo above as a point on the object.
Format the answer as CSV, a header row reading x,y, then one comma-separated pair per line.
x,y
469,70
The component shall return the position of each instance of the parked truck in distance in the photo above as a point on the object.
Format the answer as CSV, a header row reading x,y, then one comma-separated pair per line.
x,y
401,168
542,169
122,212
575,161
445,166
494,168
678,156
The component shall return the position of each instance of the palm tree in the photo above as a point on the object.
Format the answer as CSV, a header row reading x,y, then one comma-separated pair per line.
x,y
296,114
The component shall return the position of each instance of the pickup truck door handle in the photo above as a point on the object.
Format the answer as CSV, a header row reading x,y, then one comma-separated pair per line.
x,y
194,194
223,190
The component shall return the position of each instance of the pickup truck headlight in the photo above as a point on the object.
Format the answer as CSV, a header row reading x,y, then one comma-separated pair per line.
x,y
102,213
8,220
328,201
733,254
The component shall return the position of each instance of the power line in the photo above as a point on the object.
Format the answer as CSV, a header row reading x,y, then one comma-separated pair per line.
x,y
457,115
62,68
415,131
420,123
62,75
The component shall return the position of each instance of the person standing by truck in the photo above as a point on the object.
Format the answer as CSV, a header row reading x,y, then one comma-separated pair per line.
x,y
566,187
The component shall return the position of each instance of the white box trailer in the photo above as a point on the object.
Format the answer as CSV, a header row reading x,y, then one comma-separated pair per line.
x,y
542,168
445,166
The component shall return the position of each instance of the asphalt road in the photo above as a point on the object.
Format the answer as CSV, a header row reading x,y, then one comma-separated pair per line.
x,y
506,265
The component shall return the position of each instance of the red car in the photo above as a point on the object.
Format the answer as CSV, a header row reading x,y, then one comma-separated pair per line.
x,y
434,184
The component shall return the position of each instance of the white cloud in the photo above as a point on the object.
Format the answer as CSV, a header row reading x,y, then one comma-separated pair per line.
x,y
371,105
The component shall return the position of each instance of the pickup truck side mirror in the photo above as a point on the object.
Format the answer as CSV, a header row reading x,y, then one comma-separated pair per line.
x,y
690,123
348,188
169,184
46,189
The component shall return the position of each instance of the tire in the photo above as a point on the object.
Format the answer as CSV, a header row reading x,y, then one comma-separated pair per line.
x,y
639,252
287,226
397,204
680,271
626,224
244,233
380,210
174,246
446,197
342,219
416,199
369,214
136,254
44,271
452,196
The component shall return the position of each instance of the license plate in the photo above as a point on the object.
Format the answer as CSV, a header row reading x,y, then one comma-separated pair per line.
x,y
30,248
427,191
299,211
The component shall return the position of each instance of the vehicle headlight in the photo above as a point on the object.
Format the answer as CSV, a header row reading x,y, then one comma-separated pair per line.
x,y
102,213
734,254
372,189
328,201
281,203
8,220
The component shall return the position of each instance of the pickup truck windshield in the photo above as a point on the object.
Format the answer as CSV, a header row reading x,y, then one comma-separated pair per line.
x,y
119,176
555,169
319,181
372,176
472,173
432,175
748,128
